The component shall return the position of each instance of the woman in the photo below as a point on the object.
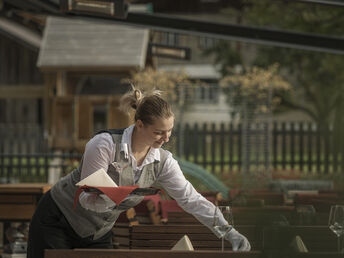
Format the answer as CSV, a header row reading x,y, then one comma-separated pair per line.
x,y
131,157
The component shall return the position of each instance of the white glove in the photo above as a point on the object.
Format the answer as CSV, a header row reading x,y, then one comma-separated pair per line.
x,y
238,241
96,202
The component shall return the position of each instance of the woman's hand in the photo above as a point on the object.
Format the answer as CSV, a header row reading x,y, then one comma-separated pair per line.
x,y
96,202
238,241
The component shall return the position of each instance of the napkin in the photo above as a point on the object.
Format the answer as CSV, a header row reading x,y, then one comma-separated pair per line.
x,y
298,245
183,244
98,179
102,182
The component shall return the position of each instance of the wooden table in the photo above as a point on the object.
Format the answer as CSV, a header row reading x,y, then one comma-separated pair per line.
x,y
19,201
118,253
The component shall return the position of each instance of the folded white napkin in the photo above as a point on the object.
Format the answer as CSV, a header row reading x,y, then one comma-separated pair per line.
x,y
183,244
98,179
298,245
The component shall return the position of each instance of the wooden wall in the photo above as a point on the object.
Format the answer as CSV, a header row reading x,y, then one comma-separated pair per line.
x,y
18,64
72,120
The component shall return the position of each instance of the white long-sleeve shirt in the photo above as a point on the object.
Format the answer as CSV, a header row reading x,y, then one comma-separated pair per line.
x,y
100,152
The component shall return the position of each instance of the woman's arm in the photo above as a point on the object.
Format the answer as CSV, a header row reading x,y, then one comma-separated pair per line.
x,y
180,189
99,153
174,182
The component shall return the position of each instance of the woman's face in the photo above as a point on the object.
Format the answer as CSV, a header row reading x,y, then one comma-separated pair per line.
x,y
157,134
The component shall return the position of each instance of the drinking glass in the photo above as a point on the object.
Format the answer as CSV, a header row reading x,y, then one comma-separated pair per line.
x,y
336,222
221,230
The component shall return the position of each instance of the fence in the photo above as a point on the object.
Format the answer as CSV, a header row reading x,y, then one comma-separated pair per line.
x,y
295,147
22,138
35,167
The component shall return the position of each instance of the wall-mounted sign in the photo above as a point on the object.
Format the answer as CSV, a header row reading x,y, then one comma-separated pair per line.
x,y
169,51
115,8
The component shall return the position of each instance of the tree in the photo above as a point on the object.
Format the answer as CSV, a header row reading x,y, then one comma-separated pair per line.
x,y
253,93
317,80
257,87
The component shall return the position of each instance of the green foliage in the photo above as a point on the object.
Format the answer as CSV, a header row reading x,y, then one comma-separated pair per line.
x,y
257,87
289,15
225,55
317,80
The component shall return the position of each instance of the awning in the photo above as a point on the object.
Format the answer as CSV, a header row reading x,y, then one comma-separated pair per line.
x,y
20,33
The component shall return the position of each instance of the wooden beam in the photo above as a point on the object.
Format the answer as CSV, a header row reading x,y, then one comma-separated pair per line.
x,y
61,78
21,92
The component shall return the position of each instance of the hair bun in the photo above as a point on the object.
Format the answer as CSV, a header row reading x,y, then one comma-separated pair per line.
x,y
137,94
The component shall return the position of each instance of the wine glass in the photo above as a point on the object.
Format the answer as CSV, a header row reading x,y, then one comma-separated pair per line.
x,y
336,222
219,228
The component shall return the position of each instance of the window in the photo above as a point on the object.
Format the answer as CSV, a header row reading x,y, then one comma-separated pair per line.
x,y
169,38
208,93
99,118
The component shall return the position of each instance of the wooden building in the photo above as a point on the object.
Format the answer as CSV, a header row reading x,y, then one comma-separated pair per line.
x,y
84,63
21,83
21,86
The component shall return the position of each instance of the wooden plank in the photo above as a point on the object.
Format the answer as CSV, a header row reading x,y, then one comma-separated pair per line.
x,y
102,253
21,91
19,201
34,188
17,211
170,229
121,230
85,117
121,242
198,240
16,198
140,253
168,244
173,236
150,236
316,238
242,215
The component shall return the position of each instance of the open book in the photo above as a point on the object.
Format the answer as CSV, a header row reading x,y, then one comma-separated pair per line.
x,y
101,182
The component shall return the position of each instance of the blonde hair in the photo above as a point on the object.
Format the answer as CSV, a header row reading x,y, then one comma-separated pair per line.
x,y
148,106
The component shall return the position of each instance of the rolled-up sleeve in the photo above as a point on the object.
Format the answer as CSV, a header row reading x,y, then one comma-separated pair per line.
x,y
179,188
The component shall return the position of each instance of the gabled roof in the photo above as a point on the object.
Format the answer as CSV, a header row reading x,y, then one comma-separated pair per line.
x,y
80,44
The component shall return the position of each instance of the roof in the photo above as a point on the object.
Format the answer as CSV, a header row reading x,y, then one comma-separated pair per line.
x,y
85,43
194,71
20,33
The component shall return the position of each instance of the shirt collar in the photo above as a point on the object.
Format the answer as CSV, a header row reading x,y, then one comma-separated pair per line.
x,y
152,155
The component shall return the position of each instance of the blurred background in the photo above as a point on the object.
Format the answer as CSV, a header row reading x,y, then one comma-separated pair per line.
x,y
257,90
256,86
